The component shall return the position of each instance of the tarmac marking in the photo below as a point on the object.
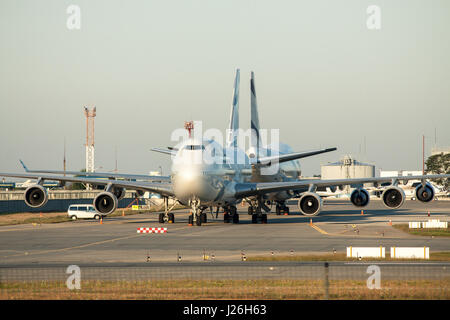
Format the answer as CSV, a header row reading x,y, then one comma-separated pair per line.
x,y
355,236
72,224
22,229
76,247
318,229
83,245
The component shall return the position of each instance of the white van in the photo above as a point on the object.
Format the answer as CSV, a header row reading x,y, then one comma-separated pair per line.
x,y
83,211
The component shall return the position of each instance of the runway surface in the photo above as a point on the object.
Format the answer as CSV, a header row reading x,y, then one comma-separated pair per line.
x,y
230,270
116,241
114,249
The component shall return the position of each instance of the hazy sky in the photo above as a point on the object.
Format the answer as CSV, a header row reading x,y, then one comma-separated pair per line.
x,y
322,77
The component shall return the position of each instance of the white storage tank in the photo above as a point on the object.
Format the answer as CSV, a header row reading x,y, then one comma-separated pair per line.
x,y
348,168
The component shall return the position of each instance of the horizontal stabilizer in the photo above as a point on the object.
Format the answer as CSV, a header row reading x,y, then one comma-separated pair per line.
x,y
165,151
267,161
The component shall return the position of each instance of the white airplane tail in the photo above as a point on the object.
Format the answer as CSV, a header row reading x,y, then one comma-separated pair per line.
x,y
255,140
234,116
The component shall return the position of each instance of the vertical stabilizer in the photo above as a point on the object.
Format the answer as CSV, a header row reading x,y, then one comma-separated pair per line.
x,y
234,117
255,142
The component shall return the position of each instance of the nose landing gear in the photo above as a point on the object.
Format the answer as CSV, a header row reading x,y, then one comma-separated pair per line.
x,y
197,216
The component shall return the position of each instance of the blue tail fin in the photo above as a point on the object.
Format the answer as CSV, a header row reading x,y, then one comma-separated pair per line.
x,y
24,166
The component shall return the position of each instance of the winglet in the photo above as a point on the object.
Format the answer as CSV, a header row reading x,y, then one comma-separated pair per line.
x,y
24,166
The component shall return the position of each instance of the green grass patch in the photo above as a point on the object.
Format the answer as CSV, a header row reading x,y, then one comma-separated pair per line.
x,y
423,232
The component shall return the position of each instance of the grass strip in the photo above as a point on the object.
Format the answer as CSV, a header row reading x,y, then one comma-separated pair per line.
x,y
226,289
423,232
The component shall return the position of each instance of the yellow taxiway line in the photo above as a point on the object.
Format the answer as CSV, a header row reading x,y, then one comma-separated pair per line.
x,y
318,229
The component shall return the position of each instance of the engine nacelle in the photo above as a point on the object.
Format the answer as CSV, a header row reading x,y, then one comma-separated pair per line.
x,y
425,193
119,192
310,204
36,196
393,197
105,202
360,197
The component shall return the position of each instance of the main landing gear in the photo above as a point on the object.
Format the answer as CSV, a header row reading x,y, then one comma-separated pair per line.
x,y
281,208
257,215
167,216
230,214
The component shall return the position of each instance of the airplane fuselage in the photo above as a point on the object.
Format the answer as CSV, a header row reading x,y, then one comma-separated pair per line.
x,y
203,171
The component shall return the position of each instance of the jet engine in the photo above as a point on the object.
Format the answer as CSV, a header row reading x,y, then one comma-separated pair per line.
x,y
119,193
105,202
393,197
424,193
360,197
36,196
310,204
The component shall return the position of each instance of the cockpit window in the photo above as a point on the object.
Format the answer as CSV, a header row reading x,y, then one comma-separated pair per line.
x,y
194,147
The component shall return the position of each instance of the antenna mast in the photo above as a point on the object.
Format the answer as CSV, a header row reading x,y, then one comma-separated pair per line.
x,y
189,126
64,160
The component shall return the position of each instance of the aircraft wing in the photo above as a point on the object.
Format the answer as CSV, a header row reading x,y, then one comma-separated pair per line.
x,y
267,161
259,188
155,187
99,174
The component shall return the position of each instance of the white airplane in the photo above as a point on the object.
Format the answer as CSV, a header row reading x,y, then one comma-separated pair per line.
x,y
199,183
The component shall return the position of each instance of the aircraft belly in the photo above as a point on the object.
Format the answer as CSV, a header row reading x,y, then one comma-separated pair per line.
x,y
208,189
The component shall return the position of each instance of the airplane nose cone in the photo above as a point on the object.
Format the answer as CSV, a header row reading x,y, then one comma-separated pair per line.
x,y
190,184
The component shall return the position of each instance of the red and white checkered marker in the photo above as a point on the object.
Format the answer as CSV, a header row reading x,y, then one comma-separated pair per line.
x,y
151,230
